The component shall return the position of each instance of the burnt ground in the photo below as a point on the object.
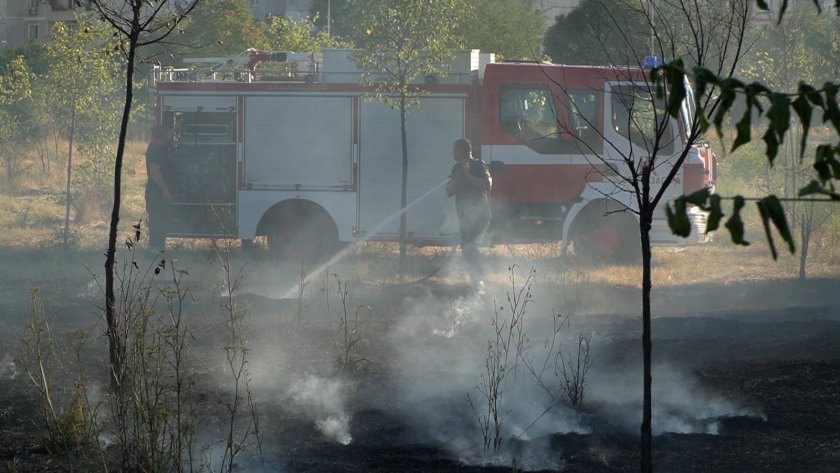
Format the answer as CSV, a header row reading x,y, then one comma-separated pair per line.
x,y
749,377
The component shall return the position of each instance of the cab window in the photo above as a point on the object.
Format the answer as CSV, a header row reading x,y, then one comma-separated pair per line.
x,y
583,118
639,118
527,112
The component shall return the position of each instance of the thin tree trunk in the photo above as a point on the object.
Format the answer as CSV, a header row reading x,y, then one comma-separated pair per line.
x,y
645,224
805,234
404,188
68,195
116,350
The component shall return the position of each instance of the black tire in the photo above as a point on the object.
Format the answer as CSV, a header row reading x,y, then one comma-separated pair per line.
x,y
301,233
606,236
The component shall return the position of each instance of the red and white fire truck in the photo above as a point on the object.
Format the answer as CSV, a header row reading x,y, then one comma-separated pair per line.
x,y
300,154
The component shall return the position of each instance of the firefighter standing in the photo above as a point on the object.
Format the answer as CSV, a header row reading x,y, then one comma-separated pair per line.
x,y
470,183
158,190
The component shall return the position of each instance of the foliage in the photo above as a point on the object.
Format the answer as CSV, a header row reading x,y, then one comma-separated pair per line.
x,y
509,28
343,17
286,34
240,429
217,28
598,32
16,116
405,40
80,90
807,104
34,54
778,108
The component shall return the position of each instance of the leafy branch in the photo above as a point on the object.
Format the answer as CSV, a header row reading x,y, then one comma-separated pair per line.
x,y
779,110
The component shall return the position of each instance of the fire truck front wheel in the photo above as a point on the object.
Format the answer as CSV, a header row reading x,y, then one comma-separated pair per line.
x,y
610,238
302,232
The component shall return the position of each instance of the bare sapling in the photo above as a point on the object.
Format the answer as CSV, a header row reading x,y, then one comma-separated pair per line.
x,y
572,280
504,351
138,407
351,330
573,369
325,288
302,285
68,414
153,416
242,409
175,337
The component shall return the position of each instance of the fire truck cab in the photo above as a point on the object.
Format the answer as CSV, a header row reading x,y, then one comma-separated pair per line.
x,y
300,153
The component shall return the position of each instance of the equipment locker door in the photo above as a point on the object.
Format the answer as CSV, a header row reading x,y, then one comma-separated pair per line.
x,y
432,128
299,142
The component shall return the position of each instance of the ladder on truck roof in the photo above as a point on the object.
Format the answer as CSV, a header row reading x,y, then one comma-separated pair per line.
x,y
333,65
242,67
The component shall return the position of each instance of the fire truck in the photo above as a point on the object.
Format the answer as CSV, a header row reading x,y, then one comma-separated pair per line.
x,y
290,147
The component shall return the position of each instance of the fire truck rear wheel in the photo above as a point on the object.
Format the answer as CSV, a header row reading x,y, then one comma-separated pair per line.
x,y
610,239
303,236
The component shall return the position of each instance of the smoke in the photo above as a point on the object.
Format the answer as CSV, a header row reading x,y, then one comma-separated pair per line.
x,y
439,357
681,404
439,350
430,353
8,368
323,400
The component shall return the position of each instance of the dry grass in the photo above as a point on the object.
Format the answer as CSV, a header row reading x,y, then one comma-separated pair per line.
x,y
33,216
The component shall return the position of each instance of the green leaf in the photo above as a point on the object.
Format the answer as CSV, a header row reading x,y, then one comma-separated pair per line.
x,y
727,98
676,85
803,110
762,4
813,188
779,115
774,208
735,225
772,143
744,130
825,163
678,218
832,112
782,9
698,197
812,94
715,213
765,217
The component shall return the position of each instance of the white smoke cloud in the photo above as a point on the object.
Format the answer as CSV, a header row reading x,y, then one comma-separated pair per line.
x,y
323,400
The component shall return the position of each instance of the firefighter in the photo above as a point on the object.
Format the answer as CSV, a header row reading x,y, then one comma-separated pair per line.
x,y
158,185
469,182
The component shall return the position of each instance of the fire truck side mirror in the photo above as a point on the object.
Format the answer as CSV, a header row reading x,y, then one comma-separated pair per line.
x,y
497,168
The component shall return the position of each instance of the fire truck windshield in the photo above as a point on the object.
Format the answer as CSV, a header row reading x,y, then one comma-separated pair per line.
x,y
641,118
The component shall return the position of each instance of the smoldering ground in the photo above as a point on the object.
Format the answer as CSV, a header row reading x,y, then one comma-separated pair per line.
x,y
423,348
422,358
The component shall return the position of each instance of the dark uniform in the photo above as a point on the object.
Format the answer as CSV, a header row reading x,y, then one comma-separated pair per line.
x,y
472,205
157,207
